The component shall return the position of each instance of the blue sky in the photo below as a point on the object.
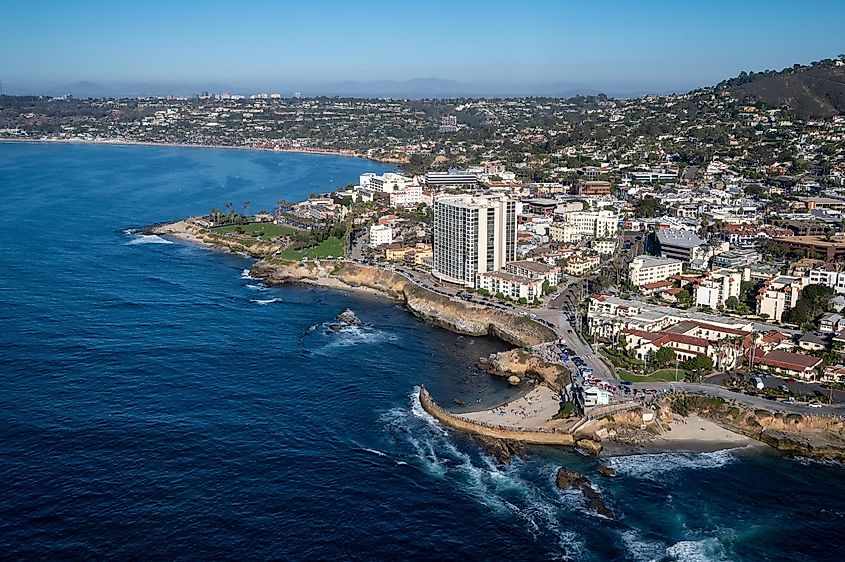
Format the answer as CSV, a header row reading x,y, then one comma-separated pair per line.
x,y
629,44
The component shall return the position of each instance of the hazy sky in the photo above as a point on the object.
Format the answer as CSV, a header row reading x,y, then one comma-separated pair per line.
x,y
637,44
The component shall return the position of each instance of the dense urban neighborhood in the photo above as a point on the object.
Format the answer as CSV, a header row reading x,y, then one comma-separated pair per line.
x,y
675,237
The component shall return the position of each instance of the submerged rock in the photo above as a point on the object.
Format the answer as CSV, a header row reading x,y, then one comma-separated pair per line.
x,y
513,380
569,479
503,450
605,470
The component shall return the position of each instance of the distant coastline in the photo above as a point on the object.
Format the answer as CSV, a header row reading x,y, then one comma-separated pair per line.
x,y
114,142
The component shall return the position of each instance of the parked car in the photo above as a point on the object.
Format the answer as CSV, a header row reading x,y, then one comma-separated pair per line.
x,y
815,404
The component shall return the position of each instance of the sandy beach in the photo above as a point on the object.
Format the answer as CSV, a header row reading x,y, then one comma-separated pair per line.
x,y
534,410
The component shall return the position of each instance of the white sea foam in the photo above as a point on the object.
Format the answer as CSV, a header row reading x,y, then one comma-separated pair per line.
x,y
245,275
265,302
147,239
639,549
255,287
706,550
652,465
357,335
509,491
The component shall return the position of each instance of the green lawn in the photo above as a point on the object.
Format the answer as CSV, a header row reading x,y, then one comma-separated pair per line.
x,y
261,230
660,375
331,246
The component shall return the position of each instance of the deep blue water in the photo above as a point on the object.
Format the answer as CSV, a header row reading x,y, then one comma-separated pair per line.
x,y
156,404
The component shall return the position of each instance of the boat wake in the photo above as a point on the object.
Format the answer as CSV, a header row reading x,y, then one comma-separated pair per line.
x,y
265,302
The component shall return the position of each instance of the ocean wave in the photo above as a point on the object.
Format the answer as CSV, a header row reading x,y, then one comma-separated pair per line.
x,y
254,287
245,275
652,465
512,491
147,239
265,302
706,550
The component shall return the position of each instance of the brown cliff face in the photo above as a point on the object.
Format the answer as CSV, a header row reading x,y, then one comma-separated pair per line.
x,y
794,434
456,316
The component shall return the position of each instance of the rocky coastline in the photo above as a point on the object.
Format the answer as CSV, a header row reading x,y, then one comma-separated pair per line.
x,y
456,316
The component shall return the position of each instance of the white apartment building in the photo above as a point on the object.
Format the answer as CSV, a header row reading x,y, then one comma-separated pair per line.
x,y
779,295
718,287
411,196
387,183
535,270
472,234
603,246
578,265
648,269
510,285
380,234
584,224
833,279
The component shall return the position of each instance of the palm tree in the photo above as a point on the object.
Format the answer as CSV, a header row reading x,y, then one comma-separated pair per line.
x,y
231,211
246,206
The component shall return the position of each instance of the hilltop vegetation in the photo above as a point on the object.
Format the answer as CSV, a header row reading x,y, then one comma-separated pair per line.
x,y
813,91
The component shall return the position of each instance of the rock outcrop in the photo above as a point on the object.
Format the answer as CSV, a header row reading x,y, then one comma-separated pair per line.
x,y
522,364
503,450
569,479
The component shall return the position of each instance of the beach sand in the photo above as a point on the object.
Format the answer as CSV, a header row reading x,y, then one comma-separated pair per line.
x,y
531,411
691,434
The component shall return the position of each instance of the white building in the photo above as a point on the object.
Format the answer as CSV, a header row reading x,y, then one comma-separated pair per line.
x,y
833,279
472,234
380,234
779,295
410,196
387,183
648,269
584,224
510,285
603,246
717,287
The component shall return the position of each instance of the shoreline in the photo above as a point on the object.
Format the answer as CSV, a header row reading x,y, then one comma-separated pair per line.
x,y
116,142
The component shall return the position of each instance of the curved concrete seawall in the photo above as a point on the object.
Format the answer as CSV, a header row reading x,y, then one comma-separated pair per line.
x,y
468,426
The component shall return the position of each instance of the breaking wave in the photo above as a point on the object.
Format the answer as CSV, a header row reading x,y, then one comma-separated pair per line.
x,y
652,465
517,491
139,239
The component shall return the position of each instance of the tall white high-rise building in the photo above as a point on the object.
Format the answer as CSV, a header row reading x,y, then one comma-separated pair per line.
x,y
472,234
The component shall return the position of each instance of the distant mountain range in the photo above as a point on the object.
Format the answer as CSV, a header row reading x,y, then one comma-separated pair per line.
x,y
815,90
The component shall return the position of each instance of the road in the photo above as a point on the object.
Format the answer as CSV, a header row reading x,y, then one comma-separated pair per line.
x,y
753,401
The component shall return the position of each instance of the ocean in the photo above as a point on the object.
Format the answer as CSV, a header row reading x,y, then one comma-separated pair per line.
x,y
157,403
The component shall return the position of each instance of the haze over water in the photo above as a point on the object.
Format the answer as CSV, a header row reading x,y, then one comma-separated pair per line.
x,y
154,401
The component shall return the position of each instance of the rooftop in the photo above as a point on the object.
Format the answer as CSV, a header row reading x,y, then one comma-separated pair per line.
x,y
678,237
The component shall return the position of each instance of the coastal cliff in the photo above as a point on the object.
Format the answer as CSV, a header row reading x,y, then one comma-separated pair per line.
x,y
456,316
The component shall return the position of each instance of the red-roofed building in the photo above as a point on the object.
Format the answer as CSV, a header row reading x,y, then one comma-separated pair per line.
x,y
788,364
